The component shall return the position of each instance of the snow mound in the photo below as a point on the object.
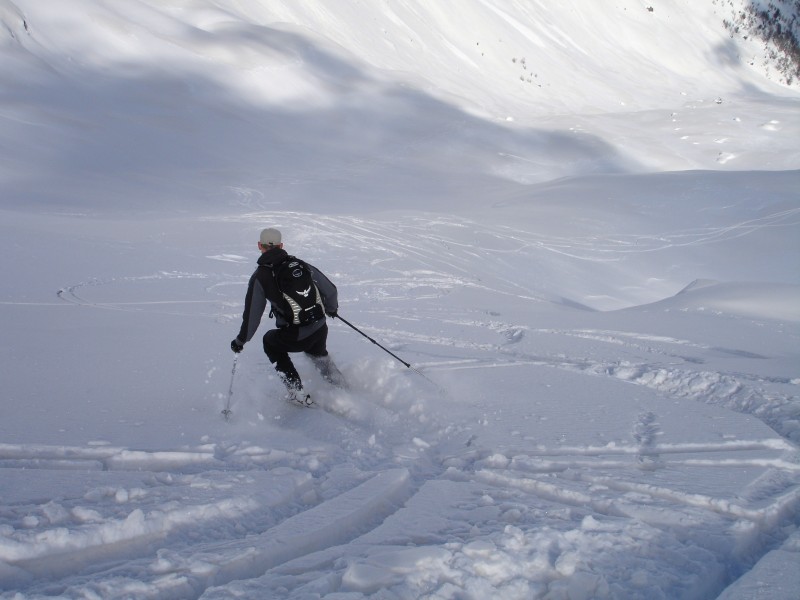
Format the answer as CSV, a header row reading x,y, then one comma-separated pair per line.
x,y
775,301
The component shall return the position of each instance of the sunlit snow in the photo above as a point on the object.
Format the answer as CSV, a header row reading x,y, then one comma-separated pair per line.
x,y
579,222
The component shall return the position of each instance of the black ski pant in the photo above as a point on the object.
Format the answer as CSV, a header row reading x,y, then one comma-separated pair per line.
x,y
278,343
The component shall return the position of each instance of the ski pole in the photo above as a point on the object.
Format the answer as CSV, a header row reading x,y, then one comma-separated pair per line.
x,y
408,365
227,410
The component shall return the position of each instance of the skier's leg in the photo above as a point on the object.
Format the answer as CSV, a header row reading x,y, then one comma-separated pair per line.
x,y
318,353
329,371
277,350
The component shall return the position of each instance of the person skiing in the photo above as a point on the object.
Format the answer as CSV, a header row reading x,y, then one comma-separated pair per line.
x,y
299,314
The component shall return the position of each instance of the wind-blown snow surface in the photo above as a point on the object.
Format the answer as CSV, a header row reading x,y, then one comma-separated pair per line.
x,y
578,223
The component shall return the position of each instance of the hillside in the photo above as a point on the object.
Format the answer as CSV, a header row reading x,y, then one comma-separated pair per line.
x,y
577,222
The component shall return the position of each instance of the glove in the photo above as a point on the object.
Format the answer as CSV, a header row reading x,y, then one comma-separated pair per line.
x,y
331,313
237,346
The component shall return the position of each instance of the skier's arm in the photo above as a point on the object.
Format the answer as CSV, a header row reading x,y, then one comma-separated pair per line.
x,y
330,296
254,304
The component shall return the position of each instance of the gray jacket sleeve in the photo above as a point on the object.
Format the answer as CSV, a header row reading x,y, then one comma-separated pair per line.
x,y
330,296
254,304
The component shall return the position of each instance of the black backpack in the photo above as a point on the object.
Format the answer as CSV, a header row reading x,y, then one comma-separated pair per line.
x,y
301,302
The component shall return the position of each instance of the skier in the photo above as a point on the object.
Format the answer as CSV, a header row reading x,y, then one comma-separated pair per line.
x,y
294,333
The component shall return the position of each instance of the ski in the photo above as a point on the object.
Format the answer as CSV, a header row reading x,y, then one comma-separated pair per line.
x,y
301,400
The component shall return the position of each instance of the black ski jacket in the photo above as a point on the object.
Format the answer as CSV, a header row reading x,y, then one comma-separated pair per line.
x,y
262,288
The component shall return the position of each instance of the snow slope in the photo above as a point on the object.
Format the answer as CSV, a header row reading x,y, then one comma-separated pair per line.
x,y
578,222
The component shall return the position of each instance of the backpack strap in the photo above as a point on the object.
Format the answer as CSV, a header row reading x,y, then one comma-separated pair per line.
x,y
274,268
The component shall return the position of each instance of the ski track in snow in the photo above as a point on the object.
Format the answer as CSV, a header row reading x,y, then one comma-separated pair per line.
x,y
251,510
239,534
446,262
242,530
